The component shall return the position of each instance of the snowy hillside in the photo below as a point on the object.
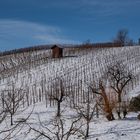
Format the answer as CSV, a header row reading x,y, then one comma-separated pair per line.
x,y
34,77
81,68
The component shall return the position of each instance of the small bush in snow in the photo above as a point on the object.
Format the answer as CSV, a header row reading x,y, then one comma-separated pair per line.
x,y
135,104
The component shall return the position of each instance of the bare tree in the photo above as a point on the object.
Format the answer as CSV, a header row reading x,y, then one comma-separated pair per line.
x,y
122,38
86,111
12,131
58,95
106,103
119,77
12,99
58,129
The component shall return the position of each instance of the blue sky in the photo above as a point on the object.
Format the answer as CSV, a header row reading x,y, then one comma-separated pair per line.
x,y
25,23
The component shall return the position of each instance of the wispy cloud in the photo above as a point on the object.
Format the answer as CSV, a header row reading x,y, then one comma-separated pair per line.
x,y
55,39
103,7
96,11
28,33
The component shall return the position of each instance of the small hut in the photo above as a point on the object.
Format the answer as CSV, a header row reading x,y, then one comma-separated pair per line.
x,y
57,52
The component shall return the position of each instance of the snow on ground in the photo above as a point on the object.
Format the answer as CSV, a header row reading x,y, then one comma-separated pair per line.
x,y
100,128
126,129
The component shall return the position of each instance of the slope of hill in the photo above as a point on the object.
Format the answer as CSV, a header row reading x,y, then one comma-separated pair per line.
x,y
72,70
36,76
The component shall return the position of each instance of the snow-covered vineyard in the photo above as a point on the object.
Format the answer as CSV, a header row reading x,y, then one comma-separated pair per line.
x,y
80,69
35,78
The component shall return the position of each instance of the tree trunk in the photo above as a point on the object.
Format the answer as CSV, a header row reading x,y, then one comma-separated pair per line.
x,y
110,116
11,115
119,110
119,98
87,130
58,109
